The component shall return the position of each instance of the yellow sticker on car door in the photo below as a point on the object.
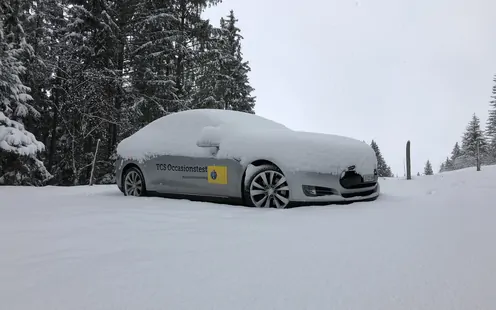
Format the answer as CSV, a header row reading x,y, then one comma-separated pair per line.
x,y
217,174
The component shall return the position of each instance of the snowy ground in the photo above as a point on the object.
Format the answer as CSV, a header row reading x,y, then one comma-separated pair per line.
x,y
424,244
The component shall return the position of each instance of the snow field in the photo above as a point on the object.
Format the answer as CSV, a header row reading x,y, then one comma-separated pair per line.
x,y
427,243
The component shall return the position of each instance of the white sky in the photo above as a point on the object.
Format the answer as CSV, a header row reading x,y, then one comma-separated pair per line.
x,y
388,70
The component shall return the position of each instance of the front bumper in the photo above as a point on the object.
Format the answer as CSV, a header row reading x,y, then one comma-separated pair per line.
x,y
309,187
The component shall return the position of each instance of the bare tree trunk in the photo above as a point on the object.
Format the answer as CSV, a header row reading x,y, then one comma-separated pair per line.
x,y
53,141
94,162
75,171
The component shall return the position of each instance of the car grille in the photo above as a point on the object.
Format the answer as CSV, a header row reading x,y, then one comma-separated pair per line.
x,y
323,191
361,185
359,194
353,180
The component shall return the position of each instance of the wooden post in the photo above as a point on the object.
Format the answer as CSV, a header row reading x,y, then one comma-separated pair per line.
x,y
408,162
478,157
94,162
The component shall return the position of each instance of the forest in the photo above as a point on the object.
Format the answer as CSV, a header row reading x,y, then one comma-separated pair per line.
x,y
77,73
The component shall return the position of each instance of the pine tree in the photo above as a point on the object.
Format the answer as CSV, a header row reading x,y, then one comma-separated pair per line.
x,y
43,28
238,92
472,137
473,140
167,41
224,84
383,170
457,160
448,164
442,168
428,168
491,123
205,93
456,152
83,71
153,60
88,60
16,101
18,146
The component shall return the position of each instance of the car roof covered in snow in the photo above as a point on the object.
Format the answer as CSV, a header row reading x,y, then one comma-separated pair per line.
x,y
178,133
217,117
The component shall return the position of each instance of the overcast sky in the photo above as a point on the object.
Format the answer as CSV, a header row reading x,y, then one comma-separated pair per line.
x,y
388,70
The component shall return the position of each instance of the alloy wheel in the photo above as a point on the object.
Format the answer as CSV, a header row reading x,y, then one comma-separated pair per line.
x,y
269,189
133,184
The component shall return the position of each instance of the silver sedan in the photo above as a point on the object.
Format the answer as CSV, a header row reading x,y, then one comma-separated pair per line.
x,y
226,155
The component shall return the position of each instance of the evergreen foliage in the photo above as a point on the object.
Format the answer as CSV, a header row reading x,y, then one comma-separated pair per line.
x,y
442,168
491,125
428,168
456,152
224,77
474,143
73,72
383,170
473,139
18,147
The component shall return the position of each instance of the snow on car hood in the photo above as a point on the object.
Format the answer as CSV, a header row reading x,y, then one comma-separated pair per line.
x,y
300,151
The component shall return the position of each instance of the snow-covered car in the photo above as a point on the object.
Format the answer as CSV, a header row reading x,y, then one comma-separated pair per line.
x,y
206,153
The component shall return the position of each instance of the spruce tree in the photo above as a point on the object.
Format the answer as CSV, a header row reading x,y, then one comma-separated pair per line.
x,y
383,170
491,123
206,93
224,83
472,137
18,147
238,91
167,41
73,72
428,168
456,152
448,164
44,28
89,60
442,168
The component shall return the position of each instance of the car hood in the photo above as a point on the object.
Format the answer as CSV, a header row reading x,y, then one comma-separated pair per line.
x,y
300,151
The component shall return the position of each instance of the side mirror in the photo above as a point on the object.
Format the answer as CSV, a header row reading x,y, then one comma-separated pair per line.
x,y
209,137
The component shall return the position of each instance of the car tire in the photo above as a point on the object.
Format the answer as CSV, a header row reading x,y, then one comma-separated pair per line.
x,y
133,183
266,187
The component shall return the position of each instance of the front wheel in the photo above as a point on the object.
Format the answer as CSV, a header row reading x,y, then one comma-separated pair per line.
x,y
267,188
134,183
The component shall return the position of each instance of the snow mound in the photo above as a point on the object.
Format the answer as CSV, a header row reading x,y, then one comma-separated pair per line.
x,y
245,137
14,138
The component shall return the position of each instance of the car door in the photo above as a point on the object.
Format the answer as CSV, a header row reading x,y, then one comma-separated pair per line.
x,y
193,167
219,177
203,176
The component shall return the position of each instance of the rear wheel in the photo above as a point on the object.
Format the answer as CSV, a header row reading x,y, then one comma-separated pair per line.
x,y
267,188
134,183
